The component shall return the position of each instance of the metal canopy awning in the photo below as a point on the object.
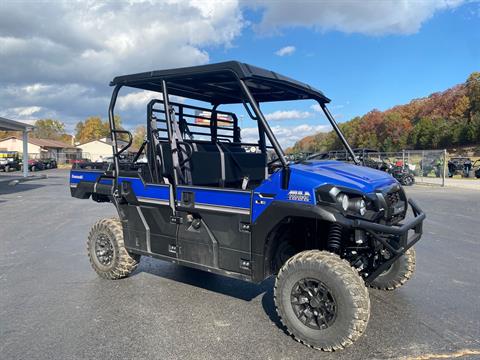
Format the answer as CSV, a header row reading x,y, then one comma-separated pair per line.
x,y
12,125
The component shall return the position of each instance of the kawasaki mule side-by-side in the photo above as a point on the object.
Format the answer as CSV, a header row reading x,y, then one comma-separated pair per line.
x,y
196,195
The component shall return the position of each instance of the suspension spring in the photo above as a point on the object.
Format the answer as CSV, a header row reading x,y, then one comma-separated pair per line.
x,y
334,242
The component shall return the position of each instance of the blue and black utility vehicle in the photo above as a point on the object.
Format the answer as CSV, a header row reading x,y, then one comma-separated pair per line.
x,y
197,195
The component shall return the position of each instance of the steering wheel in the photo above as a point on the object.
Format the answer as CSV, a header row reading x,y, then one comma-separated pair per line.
x,y
274,164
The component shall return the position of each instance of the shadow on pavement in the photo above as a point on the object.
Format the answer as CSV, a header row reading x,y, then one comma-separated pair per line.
x,y
223,285
6,189
268,305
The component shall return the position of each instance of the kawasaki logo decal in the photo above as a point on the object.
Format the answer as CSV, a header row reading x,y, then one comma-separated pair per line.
x,y
299,195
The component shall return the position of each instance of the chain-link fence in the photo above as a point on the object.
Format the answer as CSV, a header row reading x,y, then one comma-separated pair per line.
x,y
423,166
407,166
61,158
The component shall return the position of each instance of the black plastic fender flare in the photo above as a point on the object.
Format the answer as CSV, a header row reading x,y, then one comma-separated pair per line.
x,y
276,212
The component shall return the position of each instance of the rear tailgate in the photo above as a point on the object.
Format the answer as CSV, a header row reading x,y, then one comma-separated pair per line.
x,y
88,180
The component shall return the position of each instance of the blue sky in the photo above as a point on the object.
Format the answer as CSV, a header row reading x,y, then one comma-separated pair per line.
x,y
361,72
56,59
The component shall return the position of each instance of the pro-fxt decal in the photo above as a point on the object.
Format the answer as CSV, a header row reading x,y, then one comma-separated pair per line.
x,y
299,195
79,177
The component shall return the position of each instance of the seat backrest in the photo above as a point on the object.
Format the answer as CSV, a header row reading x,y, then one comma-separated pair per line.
x,y
243,164
164,150
205,164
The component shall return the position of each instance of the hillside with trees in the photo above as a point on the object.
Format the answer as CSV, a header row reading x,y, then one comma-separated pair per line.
x,y
442,120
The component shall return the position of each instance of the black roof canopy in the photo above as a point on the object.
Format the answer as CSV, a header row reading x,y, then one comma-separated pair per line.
x,y
218,83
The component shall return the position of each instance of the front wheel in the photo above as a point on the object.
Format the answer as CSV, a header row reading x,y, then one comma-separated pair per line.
x,y
398,273
106,250
322,300
7,168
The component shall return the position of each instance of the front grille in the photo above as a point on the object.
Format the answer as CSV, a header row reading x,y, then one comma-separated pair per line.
x,y
393,198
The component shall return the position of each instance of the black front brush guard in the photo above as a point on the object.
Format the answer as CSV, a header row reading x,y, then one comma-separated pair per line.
x,y
399,234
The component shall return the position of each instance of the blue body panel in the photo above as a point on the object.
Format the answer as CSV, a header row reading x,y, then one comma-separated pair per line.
x,y
77,176
304,179
218,196
151,191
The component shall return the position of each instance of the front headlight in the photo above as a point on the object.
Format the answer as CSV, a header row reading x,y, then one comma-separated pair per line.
x,y
359,206
351,202
343,201
356,205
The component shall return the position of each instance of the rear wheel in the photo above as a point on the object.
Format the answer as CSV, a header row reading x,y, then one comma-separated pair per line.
x,y
106,250
398,274
321,300
407,180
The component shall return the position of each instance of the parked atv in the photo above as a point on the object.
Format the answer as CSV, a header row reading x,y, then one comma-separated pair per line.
x,y
325,229
476,169
50,163
459,166
10,160
398,170
35,165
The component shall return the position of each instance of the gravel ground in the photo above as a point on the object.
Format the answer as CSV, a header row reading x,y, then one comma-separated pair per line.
x,y
53,306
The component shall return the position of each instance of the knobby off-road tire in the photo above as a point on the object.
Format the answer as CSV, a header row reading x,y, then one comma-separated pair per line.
x,y
398,274
106,250
336,283
407,180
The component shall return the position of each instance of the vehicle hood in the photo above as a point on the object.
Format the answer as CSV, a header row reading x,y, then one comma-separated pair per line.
x,y
317,173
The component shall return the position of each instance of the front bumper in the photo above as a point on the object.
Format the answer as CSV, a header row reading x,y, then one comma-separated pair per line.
x,y
396,238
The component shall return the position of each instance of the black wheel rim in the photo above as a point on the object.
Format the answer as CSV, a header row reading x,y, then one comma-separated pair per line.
x,y
104,250
313,304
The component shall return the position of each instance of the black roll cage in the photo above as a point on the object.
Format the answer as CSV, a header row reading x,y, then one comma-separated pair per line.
x,y
248,99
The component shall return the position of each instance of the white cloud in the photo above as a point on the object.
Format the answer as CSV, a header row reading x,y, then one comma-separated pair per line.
x,y
287,50
136,99
61,55
351,16
140,99
317,108
287,115
27,110
286,135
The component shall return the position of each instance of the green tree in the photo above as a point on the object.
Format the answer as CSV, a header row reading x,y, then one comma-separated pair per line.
x,y
49,129
423,132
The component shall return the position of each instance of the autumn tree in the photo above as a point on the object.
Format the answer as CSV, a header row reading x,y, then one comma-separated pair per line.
x,y
6,134
139,136
93,128
473,91
440,120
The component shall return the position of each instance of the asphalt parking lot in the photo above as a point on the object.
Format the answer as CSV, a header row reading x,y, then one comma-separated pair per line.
x,y
53,306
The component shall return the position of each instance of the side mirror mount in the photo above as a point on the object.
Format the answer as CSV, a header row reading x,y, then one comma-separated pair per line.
x,y
286,172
